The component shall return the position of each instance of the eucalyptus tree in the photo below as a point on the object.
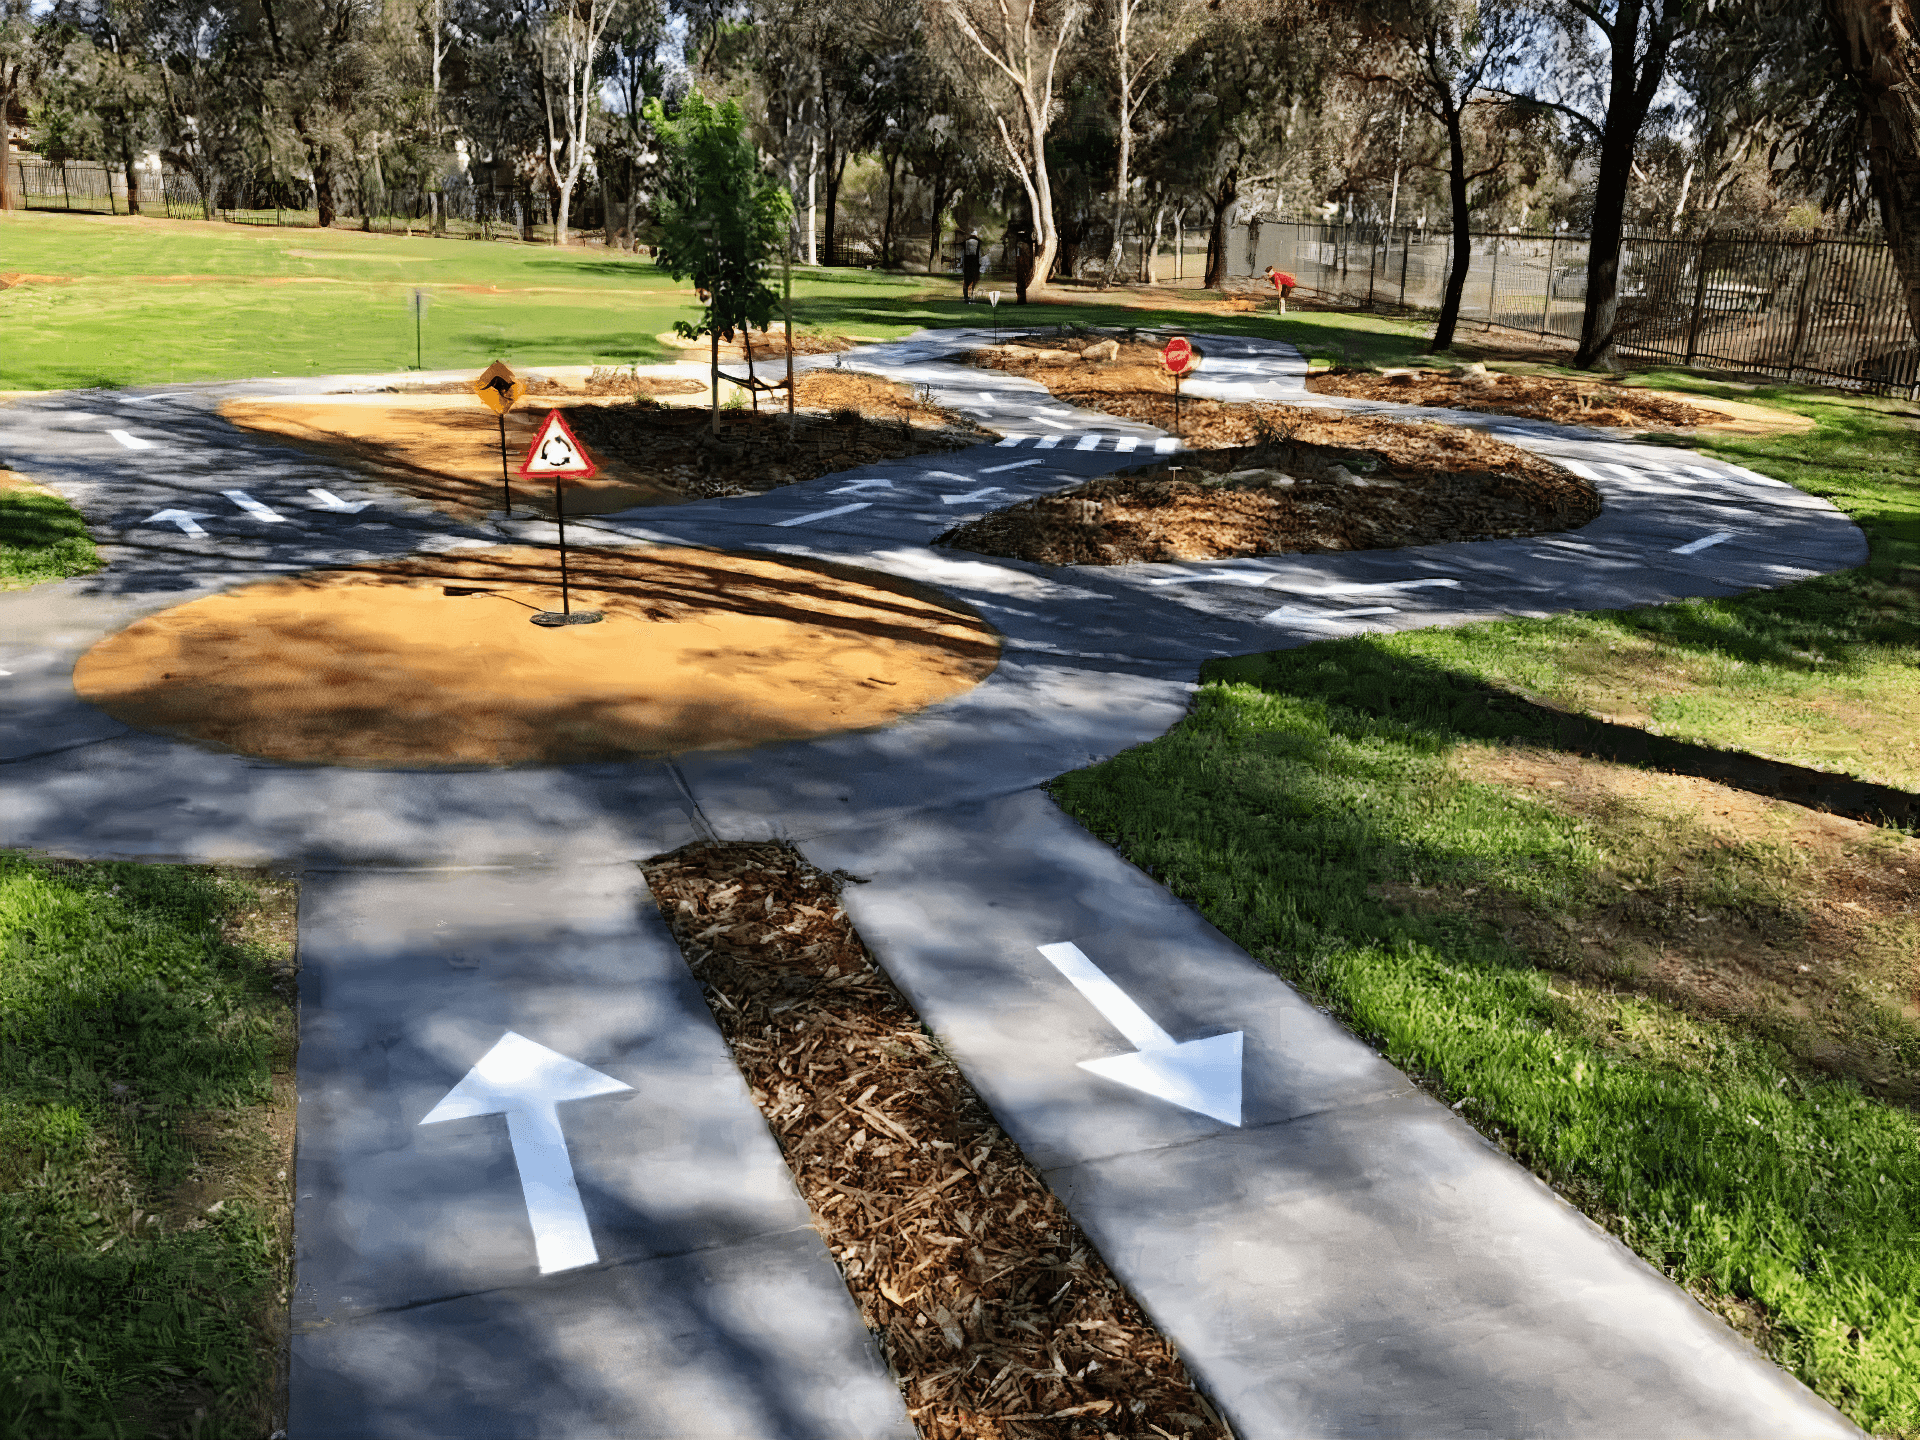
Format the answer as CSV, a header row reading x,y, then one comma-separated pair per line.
x,y
1140,40
20,60
1011,51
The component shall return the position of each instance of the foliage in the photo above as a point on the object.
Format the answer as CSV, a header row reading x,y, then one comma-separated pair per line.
x,y
42,537
721,216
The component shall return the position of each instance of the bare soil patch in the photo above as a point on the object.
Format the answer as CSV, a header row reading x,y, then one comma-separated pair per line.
x,y
766,345
1534,397
1309,484
997,1316
11,278
1824,959
432,661
440,444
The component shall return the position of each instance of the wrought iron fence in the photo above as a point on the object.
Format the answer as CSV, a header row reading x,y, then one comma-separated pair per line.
x,y
1801,306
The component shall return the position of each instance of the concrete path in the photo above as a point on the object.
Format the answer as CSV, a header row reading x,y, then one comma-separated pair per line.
x,y
1347,1259
448,1283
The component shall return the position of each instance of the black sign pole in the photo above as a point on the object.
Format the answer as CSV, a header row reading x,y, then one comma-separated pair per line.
x,y
560,514
506,486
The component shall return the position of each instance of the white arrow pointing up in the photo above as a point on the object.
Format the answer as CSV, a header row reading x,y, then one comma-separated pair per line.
x,y
183,518
525,1082
330,501
252,506
1198,1075
979,494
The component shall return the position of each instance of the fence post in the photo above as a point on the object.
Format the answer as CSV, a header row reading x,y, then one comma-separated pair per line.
x,y
1373,255
1493,278
1546,300
1699,297
1805,306
1406,245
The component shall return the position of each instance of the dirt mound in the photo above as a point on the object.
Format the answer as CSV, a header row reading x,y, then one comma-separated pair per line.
x,y
1326,486
447,453
433,662
11,278
1532,397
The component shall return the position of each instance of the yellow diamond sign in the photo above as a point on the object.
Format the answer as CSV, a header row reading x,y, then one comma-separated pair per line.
x,y
499,388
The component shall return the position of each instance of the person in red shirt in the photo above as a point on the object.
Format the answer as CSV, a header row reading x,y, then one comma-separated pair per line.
x,y
1283,283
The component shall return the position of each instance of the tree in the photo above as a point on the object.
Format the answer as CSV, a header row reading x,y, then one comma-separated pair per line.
x,y
1018,43
1625,67
1453,47
569,44
19,57
722,218
1879,56
1145,37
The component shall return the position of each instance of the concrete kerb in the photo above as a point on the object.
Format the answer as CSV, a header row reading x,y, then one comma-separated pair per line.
x,y
1096,661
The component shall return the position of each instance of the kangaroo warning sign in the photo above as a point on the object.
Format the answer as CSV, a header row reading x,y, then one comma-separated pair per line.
x,y
556,454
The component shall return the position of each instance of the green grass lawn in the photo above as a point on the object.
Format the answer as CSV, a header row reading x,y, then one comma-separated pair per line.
x,y
146,1050
42,537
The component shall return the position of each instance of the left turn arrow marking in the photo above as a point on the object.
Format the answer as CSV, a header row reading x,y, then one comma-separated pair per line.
x,y
525,1081
183,518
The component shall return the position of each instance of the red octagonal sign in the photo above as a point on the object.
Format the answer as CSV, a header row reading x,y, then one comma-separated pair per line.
x,y
1178,356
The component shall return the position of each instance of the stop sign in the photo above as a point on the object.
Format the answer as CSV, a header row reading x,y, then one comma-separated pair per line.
x,y
1178,356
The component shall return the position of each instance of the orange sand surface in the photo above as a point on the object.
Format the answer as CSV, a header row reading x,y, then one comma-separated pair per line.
x,y
449,448
432,661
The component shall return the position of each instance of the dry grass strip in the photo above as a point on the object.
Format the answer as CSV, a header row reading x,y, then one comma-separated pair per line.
x,y
999,1320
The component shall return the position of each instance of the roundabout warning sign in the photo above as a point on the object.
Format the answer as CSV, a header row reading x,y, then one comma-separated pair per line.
x,y
556,454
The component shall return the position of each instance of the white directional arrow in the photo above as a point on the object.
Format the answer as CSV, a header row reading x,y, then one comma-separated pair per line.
x,y
330,501
252,506
183,518
525,1081
1198,1075
857,486
971,495
131,441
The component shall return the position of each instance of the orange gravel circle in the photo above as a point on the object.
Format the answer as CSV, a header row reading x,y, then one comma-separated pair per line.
x,y
432,661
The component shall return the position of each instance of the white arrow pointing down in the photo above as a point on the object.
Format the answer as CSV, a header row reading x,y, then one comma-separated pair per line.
x,y
1198,1075
525,1082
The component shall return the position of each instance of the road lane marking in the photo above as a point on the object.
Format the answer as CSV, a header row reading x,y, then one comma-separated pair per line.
x,y
826,514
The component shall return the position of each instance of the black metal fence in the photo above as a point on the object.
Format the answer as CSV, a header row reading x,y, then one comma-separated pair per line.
x,y
1797,305
481,211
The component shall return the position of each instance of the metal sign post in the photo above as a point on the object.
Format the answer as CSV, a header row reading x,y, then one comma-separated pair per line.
x,y
558,455
1178,358
421,299
500,390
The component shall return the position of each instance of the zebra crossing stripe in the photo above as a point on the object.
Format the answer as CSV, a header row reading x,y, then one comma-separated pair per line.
x,y
1011,440
1047,442
1165,445
1125,443
1087,442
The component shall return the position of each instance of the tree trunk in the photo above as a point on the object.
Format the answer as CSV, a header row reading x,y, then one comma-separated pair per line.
x,y
1462,234
6,149
1125,117
564,211
1217,233
939,204
1881,52
322,184
126,158
886,227
1150,252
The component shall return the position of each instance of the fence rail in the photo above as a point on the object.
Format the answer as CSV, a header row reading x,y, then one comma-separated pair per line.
x,y
1804,307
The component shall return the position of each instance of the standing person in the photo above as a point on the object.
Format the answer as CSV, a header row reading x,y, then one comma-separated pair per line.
x,y
1283,283
969,265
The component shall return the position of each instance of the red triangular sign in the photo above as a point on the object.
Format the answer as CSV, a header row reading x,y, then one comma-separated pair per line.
x,y
556,454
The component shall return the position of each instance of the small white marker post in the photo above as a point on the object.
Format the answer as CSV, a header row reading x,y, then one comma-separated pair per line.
x,y
993,299
526,1082
1198,1075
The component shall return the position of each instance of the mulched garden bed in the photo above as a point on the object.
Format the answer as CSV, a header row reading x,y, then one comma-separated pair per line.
x,y
1308,482
869,420
1532,397
997,1317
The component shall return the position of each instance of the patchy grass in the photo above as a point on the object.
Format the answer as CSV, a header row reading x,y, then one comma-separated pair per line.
x,y
42,537
146,1138
1695,1018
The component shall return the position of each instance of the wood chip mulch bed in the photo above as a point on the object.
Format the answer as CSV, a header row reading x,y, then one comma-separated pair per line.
x,y
1310,482
867,420
997,1317
1532,397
